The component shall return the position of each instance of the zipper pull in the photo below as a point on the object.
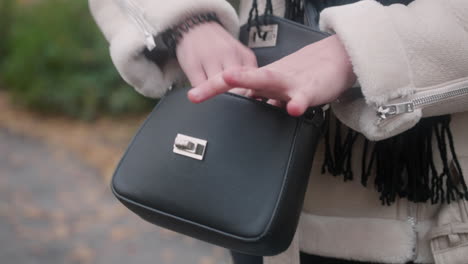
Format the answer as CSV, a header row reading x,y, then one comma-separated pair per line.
x,y
137,14
384,111
150,42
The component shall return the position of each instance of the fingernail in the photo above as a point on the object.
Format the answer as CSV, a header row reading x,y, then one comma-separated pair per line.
x,y
195,94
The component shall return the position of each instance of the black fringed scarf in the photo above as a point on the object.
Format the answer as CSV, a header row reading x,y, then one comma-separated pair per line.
x,y
403,165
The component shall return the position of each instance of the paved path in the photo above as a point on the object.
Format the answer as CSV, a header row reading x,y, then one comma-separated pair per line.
x,y
56,210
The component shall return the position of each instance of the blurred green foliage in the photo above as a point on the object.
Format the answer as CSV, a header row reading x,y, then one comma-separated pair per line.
x,y
58,62
5,19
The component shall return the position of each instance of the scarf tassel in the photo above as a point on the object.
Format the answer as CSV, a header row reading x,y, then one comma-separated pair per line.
x,y
403,165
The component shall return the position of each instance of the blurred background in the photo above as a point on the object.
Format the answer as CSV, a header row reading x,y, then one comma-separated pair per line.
x,y
65,119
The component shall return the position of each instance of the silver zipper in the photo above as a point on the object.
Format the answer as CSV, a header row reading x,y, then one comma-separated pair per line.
x,y
414,252
412,220
386,111
137,14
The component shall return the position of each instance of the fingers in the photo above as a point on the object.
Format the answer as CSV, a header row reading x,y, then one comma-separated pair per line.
x,y
213,83
208,89
212,68
249,59
195,73
261,79
297,105
240,91
245,60
263,82
235,60
277,103
232,61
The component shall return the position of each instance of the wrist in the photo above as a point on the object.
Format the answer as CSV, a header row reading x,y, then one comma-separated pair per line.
x,y
172,37
342,62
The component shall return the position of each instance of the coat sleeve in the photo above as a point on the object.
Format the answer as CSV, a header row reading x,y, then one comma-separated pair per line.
x,y
400,53
127,40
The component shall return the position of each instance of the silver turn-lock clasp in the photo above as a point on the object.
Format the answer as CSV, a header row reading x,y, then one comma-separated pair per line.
x,y
190,146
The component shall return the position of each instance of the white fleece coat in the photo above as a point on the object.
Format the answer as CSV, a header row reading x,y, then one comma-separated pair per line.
x,y
399,53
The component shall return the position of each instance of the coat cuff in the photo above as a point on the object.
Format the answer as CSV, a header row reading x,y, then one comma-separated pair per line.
x,y
379,62
401,53
375,49
127,41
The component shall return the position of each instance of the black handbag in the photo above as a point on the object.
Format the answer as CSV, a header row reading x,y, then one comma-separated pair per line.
x,y
231,171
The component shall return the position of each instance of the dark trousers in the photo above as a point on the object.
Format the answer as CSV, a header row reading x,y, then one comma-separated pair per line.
x,y
305,259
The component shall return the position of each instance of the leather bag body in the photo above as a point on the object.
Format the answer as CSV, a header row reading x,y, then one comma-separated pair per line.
x,y
247,191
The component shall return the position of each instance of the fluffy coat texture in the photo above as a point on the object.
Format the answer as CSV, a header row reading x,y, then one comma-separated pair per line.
x,y
413,49
127,41
398,53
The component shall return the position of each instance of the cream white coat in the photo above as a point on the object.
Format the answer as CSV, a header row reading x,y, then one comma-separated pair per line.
x,y
398,53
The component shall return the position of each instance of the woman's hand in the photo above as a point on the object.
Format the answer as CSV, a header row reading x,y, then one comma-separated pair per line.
x,y
314,75
208,49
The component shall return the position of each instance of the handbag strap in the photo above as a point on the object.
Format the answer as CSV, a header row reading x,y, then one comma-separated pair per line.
x,y
254,9
294,11
254,16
